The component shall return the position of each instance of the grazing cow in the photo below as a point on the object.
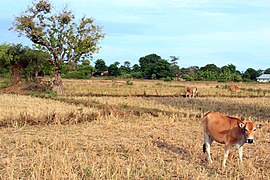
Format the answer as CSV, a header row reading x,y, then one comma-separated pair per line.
x,y
191,91
234,88
227,130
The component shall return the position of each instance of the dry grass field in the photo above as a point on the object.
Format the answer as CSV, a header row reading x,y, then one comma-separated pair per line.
x,y
104,129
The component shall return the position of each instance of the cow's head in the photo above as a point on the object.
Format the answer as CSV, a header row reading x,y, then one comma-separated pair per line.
x,y
249,130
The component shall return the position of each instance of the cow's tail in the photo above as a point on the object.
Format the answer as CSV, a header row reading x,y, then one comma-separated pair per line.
x,y
204,148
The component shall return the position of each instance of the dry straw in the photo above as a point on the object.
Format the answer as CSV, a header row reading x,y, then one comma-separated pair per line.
x,y
79,136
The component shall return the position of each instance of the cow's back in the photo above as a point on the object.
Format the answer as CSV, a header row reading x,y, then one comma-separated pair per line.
x,y
234,88
188,90
191,91
221,128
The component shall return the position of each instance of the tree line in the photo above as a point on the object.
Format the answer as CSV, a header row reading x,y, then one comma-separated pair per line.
x,y
63,47
22,62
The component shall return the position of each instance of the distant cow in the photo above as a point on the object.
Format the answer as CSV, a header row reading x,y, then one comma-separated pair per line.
x,y
234,88
227,130
191,91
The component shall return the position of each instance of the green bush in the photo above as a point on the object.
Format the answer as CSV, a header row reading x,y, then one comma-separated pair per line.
x,y
5,75
154,76
137,75
75,75
5,83
127,76
247,80
238,78
167,79
186,77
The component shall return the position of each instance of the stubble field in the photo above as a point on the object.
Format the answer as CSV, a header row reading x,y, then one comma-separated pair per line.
x,y
103,129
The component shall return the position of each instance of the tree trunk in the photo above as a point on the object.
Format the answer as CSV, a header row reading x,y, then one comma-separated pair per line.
x,y
16,75
57,82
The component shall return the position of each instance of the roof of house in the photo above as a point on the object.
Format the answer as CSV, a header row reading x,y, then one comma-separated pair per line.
x,y
264,76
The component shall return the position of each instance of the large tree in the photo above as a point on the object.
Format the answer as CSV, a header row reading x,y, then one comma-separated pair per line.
x,y
38,64
267,71
250,74
208,72
4,59
153,66
57,33
125,69
100,66
23,62
163,69
17,61
114,70
174,67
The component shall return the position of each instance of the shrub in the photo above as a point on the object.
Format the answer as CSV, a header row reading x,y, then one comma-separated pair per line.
x,y
75,75
167,79
247,80
137,75
5,75
5,83
186,77
154,76
127,76
238,78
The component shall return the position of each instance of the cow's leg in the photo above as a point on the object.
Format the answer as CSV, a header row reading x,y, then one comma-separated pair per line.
x,y
226,154
240,153
207,143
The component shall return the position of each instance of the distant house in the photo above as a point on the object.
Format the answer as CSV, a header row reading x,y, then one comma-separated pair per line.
x,y
264,78
105,73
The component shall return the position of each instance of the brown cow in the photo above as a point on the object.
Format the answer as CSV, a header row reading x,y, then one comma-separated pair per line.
x,y
234,88
227,130
191,91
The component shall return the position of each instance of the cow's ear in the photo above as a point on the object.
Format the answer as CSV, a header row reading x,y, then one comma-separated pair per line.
x,y
242,125
258,126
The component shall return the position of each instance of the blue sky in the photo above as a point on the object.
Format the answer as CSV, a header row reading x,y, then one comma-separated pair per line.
x,y
199,32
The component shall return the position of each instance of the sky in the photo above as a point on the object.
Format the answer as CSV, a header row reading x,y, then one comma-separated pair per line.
x,y
199,32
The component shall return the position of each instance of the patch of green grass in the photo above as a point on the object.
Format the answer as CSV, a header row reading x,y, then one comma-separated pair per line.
x,y
43,94
124,105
